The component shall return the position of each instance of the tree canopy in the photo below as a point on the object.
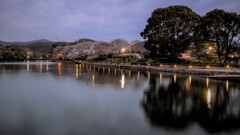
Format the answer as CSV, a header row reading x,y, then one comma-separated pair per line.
x,y
169,31
10,53
223,29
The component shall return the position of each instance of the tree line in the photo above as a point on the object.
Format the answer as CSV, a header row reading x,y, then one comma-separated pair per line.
x,y
171,31
23,52
8,53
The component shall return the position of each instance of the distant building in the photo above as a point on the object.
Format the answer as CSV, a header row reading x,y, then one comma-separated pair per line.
x,y
28,52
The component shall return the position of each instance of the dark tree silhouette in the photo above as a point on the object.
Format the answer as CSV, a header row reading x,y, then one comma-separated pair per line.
x,y
175,107
169,31
223,29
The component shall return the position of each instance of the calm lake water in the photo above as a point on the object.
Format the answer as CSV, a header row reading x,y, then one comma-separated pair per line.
x,y
49,98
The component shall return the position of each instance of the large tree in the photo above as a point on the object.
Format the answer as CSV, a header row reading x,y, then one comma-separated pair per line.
x,y
169,31
223,29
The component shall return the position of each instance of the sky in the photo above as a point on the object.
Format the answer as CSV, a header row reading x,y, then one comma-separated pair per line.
x,y
70,20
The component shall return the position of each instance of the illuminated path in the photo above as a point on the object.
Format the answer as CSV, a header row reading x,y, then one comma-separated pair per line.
x,y
174,68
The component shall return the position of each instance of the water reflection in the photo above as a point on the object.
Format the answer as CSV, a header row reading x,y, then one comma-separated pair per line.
x,y
174,78
27,66
59,68
122,81
41,66
160,77
149,75
190,80
80,69
209,98
227,85
129,73
171,101
207,82
138,74
93,79
172,106
47,67
77,72
103,70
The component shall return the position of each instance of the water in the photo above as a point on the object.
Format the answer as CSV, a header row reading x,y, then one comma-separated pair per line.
x,y
49,98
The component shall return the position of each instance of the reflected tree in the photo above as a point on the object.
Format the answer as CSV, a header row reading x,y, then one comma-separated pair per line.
x,y
166,107
175,107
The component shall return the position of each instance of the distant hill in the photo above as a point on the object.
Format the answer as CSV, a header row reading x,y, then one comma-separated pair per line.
x,y
39,41
40,46
3,43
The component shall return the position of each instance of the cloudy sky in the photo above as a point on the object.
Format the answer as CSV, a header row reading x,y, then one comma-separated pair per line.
x,y
69,20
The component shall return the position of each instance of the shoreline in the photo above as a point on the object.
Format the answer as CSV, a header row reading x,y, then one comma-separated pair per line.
x,y
182,69
212,73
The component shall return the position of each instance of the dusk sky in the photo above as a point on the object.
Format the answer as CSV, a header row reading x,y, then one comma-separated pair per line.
x,y
69,20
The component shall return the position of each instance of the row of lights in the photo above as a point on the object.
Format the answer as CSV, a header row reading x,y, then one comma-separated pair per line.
x,y
190,66
175,66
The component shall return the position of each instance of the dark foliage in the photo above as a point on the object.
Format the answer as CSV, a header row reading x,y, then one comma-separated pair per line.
x,y
169,31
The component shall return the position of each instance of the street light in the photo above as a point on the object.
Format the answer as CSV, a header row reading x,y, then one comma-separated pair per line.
x,y
210,50
123,50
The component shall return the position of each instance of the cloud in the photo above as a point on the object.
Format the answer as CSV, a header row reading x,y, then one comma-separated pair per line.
x,y
98,19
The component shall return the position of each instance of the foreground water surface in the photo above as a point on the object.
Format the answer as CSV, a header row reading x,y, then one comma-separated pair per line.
x,y
49,98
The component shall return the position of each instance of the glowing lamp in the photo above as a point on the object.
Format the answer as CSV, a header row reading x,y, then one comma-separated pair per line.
x,y
123,50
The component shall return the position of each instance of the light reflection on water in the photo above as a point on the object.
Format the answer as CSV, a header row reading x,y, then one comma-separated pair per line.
x,y
122,81
82,99
206,102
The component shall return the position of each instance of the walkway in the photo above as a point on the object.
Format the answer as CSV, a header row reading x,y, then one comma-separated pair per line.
x,y
175,69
